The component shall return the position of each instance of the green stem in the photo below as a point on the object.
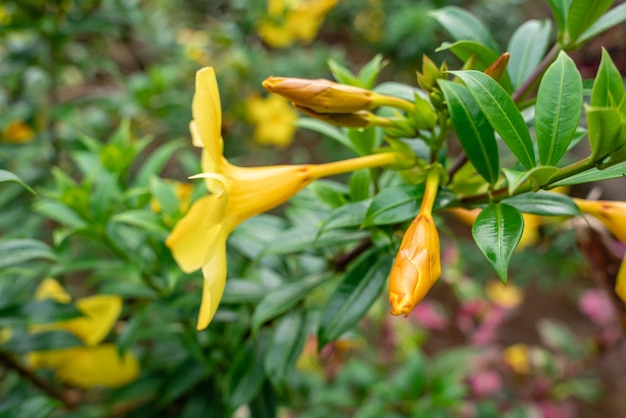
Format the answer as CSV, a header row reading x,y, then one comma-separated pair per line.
x,y
353,164
430,192
570,170
402,104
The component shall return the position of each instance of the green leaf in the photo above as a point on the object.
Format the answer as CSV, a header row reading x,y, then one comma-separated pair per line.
x,y
613,17
143,219
527,47
245,375
343,75
329,192
156,161
544,203
59,212
47,340
360,185
473,130
370,71
537,177
17,251
584,13
483,57
8,176
353,296
403,91
499,109
346,216
558,109
307,238
394,205
462,25
284,349
283,298
594,174
608,87
497,231
243,291
560,8
185,377
604,129
325,129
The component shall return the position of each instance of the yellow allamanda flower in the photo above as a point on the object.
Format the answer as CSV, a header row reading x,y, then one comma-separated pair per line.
x,y
94,364
613,215
417,265
290,21
17,132
237,193
273,118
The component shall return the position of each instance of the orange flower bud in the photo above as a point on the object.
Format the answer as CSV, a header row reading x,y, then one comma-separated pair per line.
x,y
322,96
498,68
417,266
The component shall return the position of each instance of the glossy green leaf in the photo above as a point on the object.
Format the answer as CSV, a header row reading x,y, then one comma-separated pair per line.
x,y
558,109
527,47
325,129
608,87
544,203
285,346
394,205
483,57
462,25
308,237
497,231
245,375
613,17
17,251
537,177
560,9
283,298
584,13
502,114
353,296
604,130
473,130
9,176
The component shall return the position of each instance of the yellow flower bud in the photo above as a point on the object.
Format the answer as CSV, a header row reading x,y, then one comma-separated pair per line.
x,y
322,96
417,266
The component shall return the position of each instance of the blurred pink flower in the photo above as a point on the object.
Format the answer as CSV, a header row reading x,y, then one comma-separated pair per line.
x,y
485,383
430,316
557,410
595,303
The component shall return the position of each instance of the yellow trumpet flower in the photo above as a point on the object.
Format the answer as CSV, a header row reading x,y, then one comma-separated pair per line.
x,y
94,364
237,193
417,265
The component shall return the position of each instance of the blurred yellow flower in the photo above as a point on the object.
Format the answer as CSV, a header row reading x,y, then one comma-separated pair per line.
x,y
507,296
195,45
291,21
273,119
17,132
94,364
516,356
237,193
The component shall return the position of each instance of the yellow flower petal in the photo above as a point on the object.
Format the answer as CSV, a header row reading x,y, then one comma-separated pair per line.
x,y
214,271
88,367
612,214
51,289
194,235
620,284
207,111
100,313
